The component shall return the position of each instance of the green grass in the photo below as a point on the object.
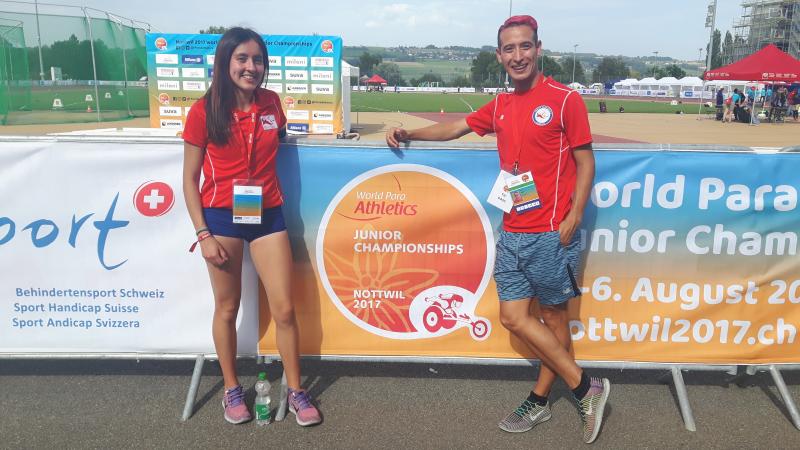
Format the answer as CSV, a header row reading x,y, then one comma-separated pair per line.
x,y
448,70
431,102
37,108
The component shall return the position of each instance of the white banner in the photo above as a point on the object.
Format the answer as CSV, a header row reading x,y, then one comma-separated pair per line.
x,y
94,257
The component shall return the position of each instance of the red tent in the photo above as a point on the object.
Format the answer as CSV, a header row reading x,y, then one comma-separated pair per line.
x,y
376,79
768,64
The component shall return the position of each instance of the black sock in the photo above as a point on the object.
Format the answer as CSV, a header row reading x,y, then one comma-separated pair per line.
x,y
539,400
583,387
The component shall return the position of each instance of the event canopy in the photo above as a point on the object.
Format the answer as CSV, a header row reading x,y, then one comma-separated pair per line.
x,y
767,64
376,79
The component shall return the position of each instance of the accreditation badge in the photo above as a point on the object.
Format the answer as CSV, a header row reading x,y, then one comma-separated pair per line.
x,y
247,202
499,196
524,195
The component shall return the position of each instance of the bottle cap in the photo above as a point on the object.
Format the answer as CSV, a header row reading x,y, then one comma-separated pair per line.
x,y
262,376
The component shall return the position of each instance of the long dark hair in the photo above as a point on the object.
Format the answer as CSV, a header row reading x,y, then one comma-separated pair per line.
x,y
220,97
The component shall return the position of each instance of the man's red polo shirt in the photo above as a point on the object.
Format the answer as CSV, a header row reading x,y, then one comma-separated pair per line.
x,y
225,163
538,129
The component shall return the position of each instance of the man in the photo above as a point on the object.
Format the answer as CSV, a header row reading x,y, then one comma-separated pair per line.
x,y
542,130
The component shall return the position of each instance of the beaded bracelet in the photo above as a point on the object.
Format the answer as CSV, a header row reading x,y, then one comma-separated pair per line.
x,y
197,233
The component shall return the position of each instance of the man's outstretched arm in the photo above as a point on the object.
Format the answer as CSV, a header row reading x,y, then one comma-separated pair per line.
x,y
444,131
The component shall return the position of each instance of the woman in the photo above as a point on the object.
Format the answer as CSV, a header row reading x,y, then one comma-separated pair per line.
x,y
232,133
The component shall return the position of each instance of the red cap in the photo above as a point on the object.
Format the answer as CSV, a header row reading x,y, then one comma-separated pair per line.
x,y
519,20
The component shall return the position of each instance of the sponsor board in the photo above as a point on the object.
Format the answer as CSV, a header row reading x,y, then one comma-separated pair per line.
x,y
322,75
322,115
295,61
297,88
321,61
165,85
296,114
193,72
274,60
275,74
324,89
169,110
194,85
168,72
297,127
210,60
192,59
166,58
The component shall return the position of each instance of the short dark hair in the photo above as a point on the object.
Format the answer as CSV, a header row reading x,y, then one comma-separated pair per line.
x,y
220,96
516,21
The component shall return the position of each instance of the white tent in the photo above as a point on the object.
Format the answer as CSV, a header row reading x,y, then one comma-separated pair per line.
x,y
576,85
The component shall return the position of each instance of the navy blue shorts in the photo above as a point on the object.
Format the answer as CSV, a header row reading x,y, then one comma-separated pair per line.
x,y
220,223
536,265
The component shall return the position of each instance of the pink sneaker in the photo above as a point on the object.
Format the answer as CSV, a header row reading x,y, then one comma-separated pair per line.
x,y
305,412
235,409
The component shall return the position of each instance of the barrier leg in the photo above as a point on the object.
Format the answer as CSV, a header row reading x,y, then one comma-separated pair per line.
x,y
192,394
683,399
786,395
283,405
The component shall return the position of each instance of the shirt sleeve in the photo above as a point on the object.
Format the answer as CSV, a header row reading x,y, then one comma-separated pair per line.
x,y
482,120
576,121
195,131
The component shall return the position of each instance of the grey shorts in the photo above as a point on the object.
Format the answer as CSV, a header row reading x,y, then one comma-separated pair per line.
x,y
536,265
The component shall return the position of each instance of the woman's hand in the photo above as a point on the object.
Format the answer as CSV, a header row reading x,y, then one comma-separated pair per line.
x,y
213,251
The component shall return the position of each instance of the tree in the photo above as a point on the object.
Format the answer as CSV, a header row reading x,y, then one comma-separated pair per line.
x,y
672,70
716,57
390,72
727,48
566,68
551,68
214,30
485,70
610,69
460,81
367,62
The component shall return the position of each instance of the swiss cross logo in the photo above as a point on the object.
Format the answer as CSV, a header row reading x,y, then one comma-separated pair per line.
x,y
154,198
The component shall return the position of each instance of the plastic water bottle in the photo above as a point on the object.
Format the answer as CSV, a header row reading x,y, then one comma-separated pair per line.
x,y
262,400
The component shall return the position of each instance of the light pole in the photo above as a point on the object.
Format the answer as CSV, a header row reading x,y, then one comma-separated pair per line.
x,y
574,49
655,63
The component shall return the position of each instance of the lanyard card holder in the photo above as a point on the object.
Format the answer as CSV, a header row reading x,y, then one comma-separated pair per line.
x,y
247,202
523,193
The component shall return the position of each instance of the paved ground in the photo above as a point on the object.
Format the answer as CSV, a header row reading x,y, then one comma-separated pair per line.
x,y
125,404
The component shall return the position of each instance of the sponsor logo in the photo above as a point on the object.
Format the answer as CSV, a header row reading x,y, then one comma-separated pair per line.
x,y
275,74
320,61
326,46
298,127
297,75
297,88
154,198
274,61
169,110
167,72
163,98
192,59
165,85
542,115
194,86
322,75
161,43
210,60
325,89
296,61
268,122
211,73
166,58
289,101
322,115
170,123
275,87
193,72
313,102
297,114
322,128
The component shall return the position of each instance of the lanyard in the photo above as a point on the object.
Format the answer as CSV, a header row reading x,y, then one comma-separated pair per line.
x,y
518,135
247,154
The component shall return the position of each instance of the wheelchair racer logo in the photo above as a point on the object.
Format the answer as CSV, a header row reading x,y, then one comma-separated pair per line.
x,y
443,309
542,115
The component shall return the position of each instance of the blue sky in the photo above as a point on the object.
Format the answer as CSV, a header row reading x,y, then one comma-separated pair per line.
x,y
626,27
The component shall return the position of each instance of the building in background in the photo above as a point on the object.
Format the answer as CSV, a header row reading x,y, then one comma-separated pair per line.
x,y
765,22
